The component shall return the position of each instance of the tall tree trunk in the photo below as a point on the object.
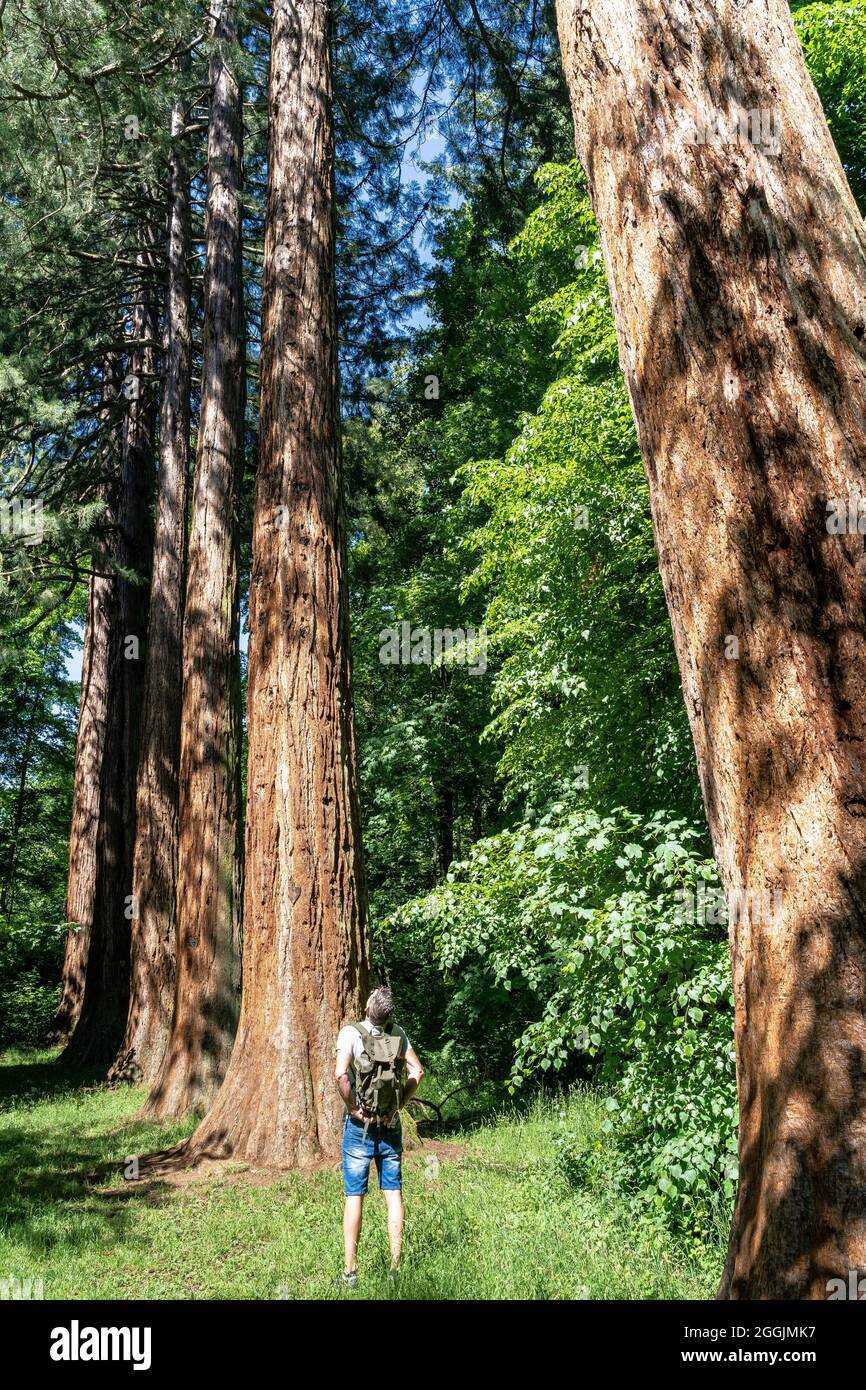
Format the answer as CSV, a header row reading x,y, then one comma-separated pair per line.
x,y
738,274
90,742
444,829
154,870
209,860
105,1000
305,952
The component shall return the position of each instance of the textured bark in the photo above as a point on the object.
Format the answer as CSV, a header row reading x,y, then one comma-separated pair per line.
x,y
209,857
738,277
154,871
305,954
89,747
105,998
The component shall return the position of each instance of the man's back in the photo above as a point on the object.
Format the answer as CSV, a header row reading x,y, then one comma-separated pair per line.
x,y
353,1037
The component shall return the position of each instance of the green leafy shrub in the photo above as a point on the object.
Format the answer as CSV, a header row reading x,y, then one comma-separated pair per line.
x,y
572,1162
26,1010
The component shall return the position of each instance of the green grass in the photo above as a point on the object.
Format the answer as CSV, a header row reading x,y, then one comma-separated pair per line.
x,y
494,1221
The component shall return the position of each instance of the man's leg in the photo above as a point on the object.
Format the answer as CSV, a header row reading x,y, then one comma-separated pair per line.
x,y
352,1214
389,1165
357,1152
394,1202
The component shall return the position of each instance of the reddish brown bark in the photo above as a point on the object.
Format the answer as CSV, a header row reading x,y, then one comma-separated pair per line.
x,y
105,996
209,854
154,872
738,275
305,953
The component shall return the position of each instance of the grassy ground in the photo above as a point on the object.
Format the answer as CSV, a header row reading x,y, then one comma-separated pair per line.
x,y
487,1216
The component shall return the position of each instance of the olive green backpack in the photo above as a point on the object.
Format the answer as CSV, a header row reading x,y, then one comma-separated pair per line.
x,y
378,1071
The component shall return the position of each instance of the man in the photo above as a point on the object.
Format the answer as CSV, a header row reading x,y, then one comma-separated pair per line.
x,y
372,1058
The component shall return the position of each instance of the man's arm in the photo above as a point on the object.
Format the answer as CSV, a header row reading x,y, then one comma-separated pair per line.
x,y
414,1073
344,1085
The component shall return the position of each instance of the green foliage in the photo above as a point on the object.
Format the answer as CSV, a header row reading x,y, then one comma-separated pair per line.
x,y
426,780
86,89
832,36
587,690
38,709
645,990
27,1006
30,959
38,714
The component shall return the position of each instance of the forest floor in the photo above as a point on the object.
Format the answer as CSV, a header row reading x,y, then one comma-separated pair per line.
x,y
487,1216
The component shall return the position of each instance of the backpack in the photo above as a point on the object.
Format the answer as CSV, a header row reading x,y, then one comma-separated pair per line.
x,y
378,1072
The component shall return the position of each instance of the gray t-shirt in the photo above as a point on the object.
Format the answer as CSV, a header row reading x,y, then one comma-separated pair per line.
x,y
350,1040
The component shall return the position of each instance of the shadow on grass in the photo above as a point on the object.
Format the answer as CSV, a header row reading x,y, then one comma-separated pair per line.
x,y
53,1180
24,1082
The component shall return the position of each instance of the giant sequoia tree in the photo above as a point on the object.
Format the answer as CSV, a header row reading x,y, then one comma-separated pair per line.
x,y
305,952
209,849
154,870
737,266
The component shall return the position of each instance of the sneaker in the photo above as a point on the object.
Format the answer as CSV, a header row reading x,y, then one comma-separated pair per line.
x,y
348,1281
394,1274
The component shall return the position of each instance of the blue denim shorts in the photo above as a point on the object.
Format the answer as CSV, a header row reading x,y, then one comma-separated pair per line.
x,y
384,1147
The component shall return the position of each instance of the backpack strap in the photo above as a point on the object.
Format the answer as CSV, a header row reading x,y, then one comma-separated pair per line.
x,y
396,1032
364,1033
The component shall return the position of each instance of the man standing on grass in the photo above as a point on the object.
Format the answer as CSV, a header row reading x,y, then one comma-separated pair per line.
x,y
377,1072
